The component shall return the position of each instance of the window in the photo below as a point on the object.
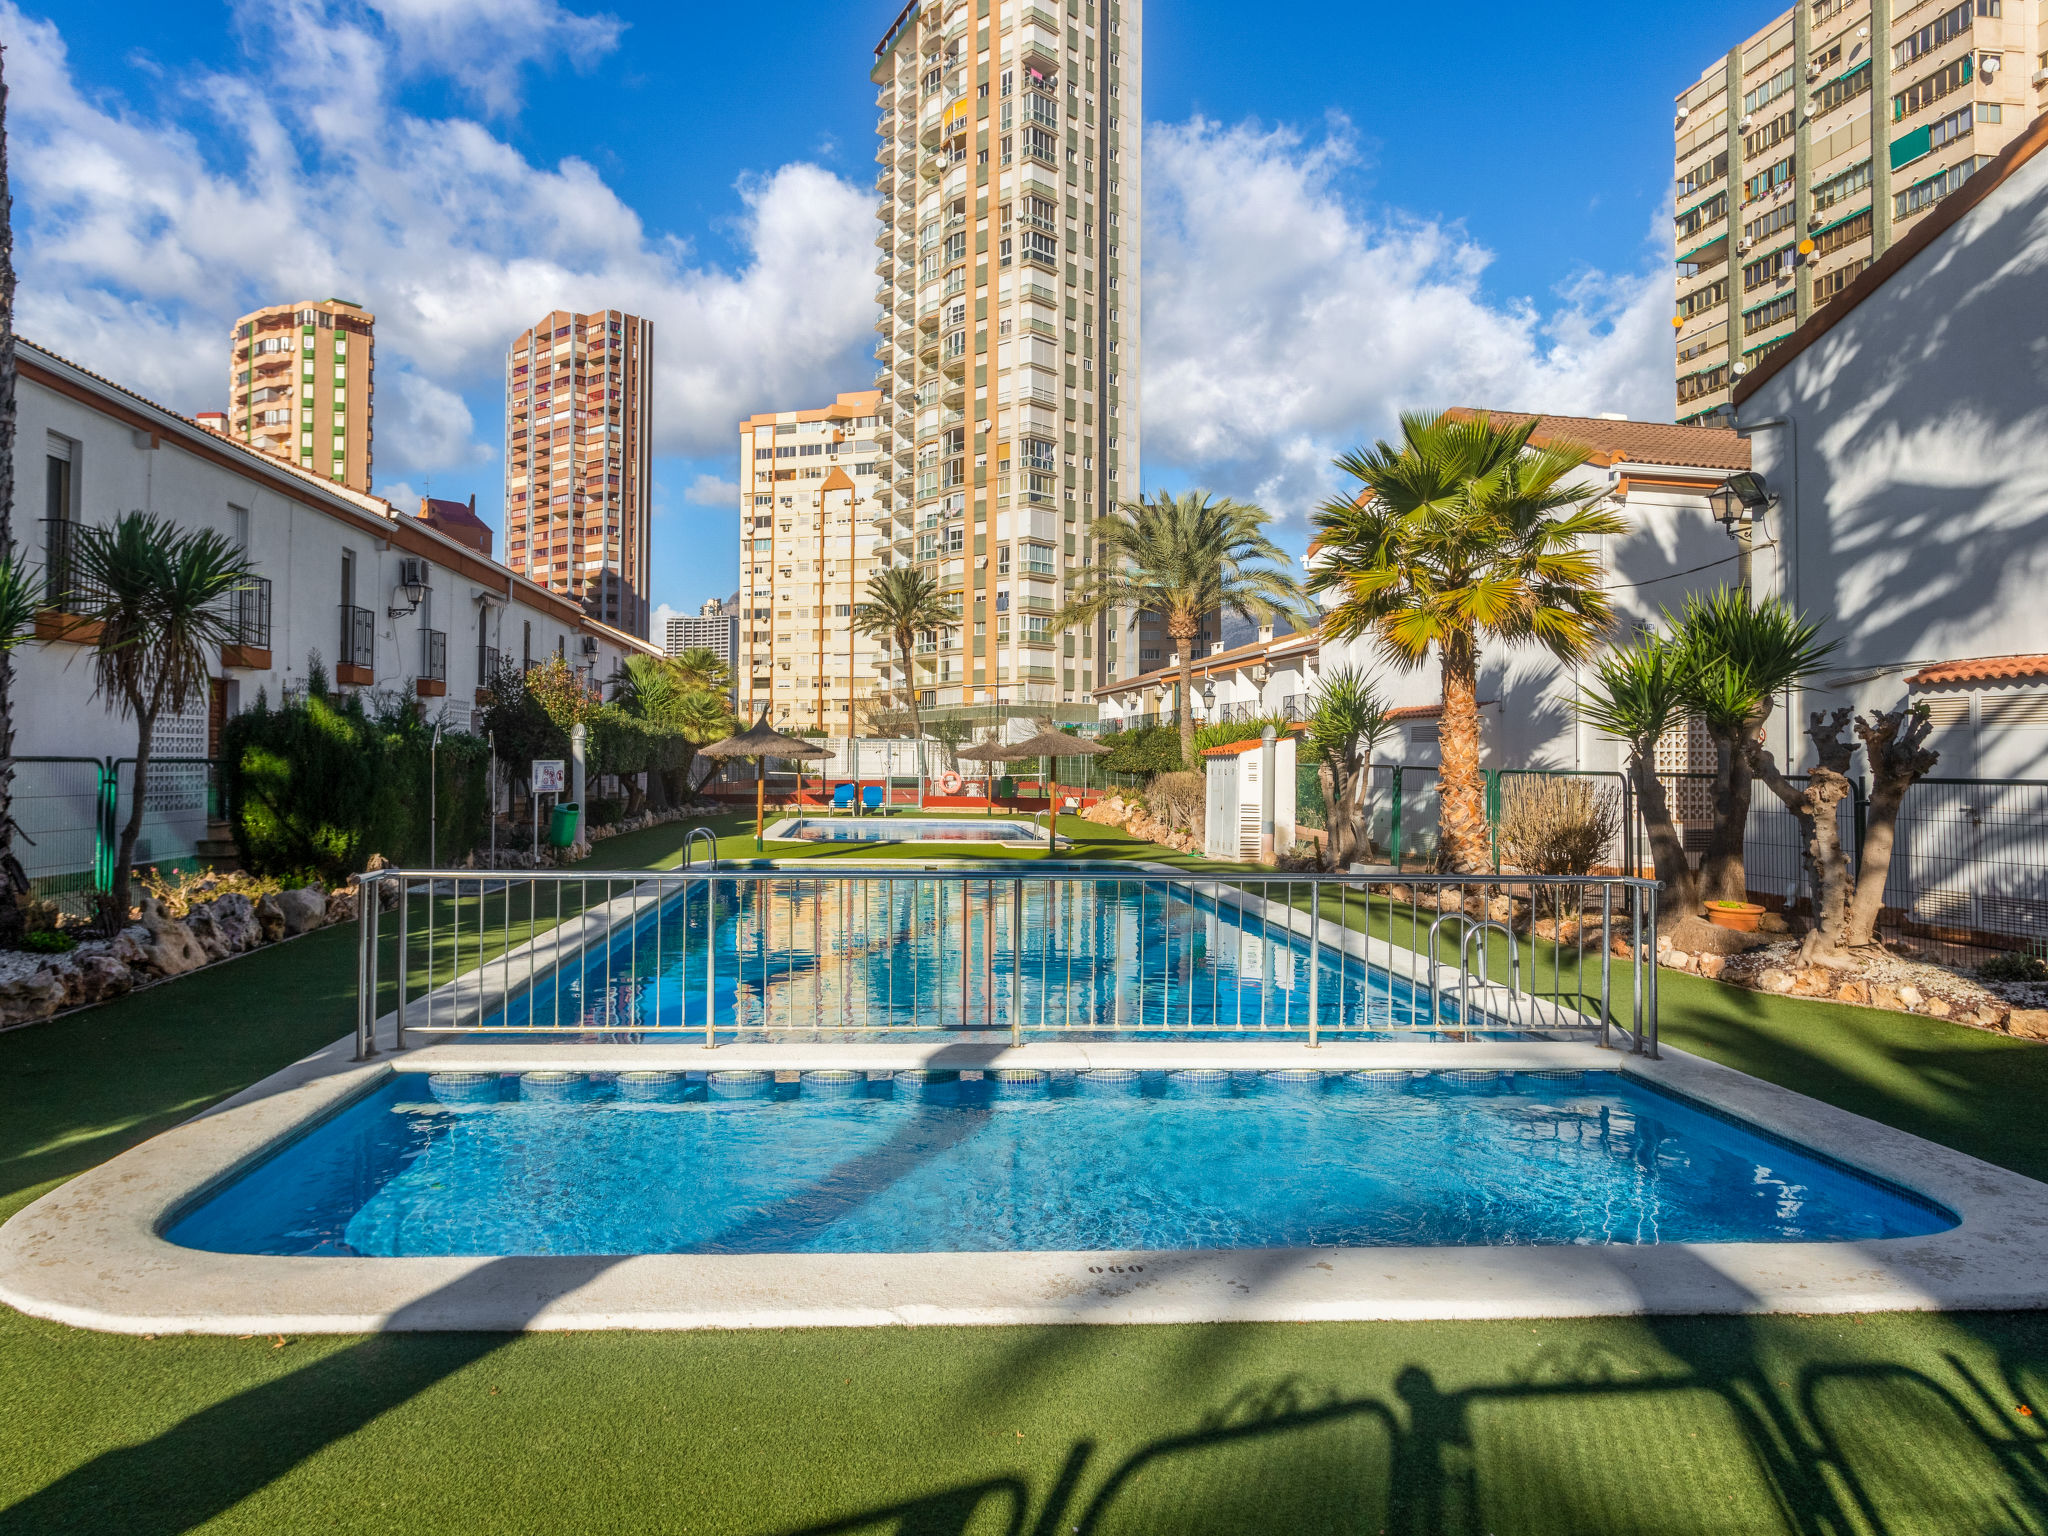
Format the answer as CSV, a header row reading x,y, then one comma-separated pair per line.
x,y
1951,128
1829,284
1847,88
1950,23
60,500
1925,93
1776,130
1705,382
1702,215
1764,315
1927,193
1768,269
1766,182
1990,112
1836,188
1769,91
1768,224
1002,559
1700,300
1848,232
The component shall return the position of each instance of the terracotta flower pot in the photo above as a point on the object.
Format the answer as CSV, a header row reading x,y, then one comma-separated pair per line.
x,y
1740,915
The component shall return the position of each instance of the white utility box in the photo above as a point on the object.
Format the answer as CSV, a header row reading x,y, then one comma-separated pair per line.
x,y
1231,828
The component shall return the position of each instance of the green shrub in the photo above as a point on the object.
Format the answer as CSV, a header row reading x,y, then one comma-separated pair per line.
x,y
48,941
1224,733
606,811
2014,966
1149,749
321,783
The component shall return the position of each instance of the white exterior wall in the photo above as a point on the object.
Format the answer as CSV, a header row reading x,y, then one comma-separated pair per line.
x,y
1912,472
297,530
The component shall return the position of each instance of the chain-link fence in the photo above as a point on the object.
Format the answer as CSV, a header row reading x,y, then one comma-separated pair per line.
x,y
69,813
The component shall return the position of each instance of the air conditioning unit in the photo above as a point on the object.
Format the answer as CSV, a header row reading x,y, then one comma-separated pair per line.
x,y
1747,119
2041,77
413,572
590,645
1743,245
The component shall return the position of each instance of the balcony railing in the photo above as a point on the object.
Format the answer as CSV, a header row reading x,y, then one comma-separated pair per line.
x,y
248,613
434,655
488,660
65,587
358,637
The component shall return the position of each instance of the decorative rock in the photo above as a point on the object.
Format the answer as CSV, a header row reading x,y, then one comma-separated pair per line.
x,y
270,918
2028,1023
1991,1015
1773,922
1852,991
234,921
303,910
1775,980
1813,981
172,949
1711,966
1697,936
91,978
341,905
1911,996
36,995
130,946
1883,996
1937,1008
1674,959
199,923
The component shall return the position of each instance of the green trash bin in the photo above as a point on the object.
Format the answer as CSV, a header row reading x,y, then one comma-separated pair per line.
x,y
562,826
1006,788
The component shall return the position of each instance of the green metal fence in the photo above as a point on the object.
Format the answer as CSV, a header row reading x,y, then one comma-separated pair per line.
x,y
70,811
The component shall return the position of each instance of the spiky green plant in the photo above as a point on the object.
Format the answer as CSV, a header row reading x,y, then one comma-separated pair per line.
x,y
1346,721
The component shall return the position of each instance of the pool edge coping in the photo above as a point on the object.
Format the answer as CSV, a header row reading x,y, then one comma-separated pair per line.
x,y
90,1253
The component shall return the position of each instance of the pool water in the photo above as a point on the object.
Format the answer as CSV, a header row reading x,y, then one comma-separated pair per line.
x,y
558,1163
1100,958
907,830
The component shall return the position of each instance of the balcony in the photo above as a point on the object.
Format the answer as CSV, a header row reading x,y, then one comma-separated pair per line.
x,y
66,592
248,616
356,660
488,660
432,681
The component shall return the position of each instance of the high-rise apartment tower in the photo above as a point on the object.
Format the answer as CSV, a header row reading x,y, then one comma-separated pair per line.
x,y
579,461
1010,195
1819,142
299,386
812,530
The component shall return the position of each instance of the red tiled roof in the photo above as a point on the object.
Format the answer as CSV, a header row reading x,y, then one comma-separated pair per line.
x,y
1878,273
1640,442
1981,669
1251,744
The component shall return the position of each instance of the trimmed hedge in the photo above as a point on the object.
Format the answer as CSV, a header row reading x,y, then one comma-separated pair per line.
x,y
321,783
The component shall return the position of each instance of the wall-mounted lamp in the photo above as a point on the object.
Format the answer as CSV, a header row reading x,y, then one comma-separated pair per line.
x,y
1738,499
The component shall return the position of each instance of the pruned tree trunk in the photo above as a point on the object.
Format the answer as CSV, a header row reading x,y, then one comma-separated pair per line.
x,y
1896,744
1462,843
1724,874
1815,807
1667,848
131,831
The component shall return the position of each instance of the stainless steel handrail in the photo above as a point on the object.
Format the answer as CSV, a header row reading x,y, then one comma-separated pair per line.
x,y
825,951
690,846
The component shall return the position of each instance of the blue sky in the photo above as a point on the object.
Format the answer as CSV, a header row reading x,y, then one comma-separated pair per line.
x,y
1349,213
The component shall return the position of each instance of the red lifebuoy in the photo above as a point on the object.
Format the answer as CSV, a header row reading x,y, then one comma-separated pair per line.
x,y
950,783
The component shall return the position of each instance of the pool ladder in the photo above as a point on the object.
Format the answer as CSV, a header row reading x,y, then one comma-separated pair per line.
x,y
1052,829
1477,930
690,847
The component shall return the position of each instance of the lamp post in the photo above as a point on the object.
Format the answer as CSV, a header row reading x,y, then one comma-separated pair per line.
x,y
1737,502
434,799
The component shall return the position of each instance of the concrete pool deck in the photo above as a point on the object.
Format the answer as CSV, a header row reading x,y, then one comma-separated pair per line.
x,y
90,1253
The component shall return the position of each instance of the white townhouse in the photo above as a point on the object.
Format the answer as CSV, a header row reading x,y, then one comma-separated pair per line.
x,y
385,600
1902,434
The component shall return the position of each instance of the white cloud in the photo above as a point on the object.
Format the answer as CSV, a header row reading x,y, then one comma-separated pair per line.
x,y
1284,323
136,250
710,491
658,630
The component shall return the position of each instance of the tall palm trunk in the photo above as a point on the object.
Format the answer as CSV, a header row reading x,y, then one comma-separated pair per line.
x,y
10,915
1182,631
905,640
1462,842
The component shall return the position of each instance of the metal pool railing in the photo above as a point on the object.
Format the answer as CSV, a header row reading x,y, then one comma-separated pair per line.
x,y
1041,952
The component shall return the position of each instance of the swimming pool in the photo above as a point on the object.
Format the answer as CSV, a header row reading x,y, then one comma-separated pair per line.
x,y
1088,956
903,829
654,1162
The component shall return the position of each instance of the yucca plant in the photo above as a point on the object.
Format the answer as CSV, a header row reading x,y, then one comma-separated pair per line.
x,y
1462,535
1736,655
1638,692
156,595
1346,721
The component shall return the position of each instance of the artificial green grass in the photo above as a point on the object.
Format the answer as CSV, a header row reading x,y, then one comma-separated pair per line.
x,y
1901,1423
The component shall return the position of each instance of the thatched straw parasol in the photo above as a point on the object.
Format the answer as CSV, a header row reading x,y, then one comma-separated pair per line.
x,y
990,751
1052,745
759,742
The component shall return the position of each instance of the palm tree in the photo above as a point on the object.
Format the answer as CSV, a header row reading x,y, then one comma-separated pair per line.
x,y
1345,723
901,601
1638,691
702,669
155,594
1462,534
684,695
1183,557
1738,654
